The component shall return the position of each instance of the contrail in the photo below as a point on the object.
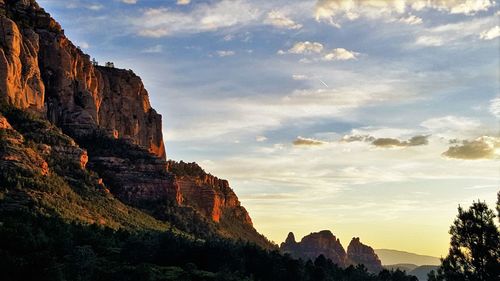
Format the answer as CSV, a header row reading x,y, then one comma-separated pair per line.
x,y
323,82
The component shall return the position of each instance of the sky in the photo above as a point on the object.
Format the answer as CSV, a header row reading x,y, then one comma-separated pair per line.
x,y
374,119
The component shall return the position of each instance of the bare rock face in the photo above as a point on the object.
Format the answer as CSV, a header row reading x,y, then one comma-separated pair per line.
x,y
133,175
41,70
208,194
315,244
20,79
4,123
359,253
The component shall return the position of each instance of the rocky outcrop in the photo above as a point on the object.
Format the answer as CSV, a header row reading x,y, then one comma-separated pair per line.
x,y
112,131
4,123
212,196
73,153
359,253
315,244
326,244
41,70
138,182
20,83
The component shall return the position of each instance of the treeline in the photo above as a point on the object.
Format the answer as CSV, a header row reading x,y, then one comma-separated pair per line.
x,y
35,247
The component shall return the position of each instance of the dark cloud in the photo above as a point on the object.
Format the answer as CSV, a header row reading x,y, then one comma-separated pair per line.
x,y
390,142
387,142
307,141
418,140
471,150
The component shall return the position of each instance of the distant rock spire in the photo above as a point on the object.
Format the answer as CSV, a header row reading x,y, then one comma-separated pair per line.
x,y
290,238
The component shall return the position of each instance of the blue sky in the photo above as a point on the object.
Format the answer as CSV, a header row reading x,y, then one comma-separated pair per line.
x,y
370,118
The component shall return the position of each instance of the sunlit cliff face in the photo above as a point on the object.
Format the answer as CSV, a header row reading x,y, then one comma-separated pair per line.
x,y
370,118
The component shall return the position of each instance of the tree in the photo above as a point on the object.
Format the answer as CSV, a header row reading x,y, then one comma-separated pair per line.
x,y
474,253
498,205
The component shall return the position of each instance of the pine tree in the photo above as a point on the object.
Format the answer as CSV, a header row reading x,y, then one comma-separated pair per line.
x,y
474,253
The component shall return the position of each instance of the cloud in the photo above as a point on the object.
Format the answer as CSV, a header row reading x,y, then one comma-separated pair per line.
x,y
129,1
315,48
480,148
261,138
355,138
183,2
299,77
153,50
451,126
335,11
300,141
495,107
94,7
340,54
305,47
160,22
390,142
225,53
429,41
491,33
457,33
278,19
411,20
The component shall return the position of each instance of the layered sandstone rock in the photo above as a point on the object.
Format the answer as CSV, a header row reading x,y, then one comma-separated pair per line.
x,y
212,196
20,80
41,70
359,253
134,175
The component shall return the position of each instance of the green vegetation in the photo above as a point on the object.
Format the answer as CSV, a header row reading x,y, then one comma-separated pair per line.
x,y
67,191
35,247
474,253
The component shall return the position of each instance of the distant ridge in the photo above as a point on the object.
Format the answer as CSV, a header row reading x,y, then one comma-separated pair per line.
x,y
391,257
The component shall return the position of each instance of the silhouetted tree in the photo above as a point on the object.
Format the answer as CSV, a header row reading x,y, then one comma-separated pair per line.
x,y
474,253
498,205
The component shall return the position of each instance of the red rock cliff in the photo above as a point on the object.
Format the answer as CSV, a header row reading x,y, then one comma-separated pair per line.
x,y
107,111
212,197
41,70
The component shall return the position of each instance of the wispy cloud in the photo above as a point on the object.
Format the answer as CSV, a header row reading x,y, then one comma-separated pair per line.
x,y
337,11
225,53
280,20
495,107
160,22
154,49
491,33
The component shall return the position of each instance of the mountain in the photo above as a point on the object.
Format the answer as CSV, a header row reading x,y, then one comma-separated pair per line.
x,y
86,190
422,271
77,123
326,244
389,257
